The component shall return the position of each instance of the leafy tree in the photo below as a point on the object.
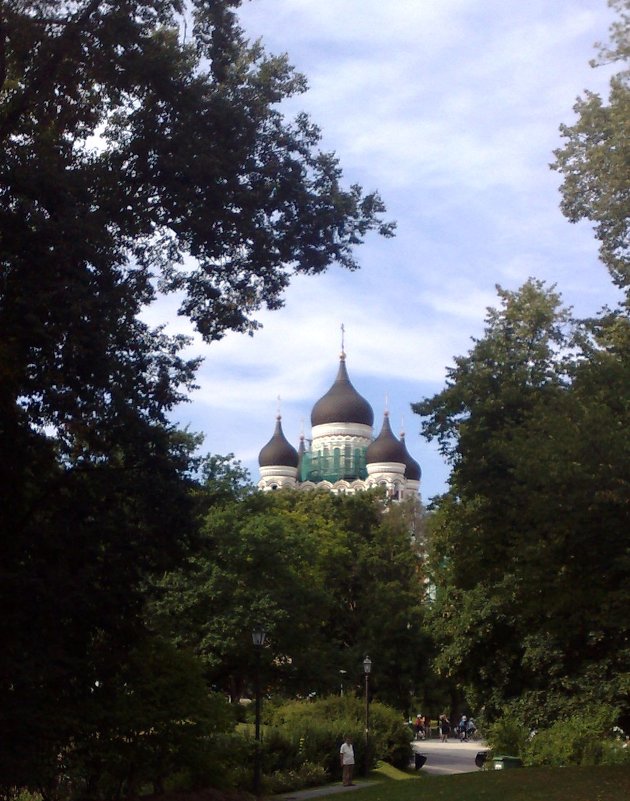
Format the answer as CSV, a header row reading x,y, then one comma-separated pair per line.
x,y
595,159
252,566
152,721
138,158
490,394
529,546
331,578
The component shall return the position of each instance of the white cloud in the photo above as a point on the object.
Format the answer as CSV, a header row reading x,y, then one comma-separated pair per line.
x,y
451,108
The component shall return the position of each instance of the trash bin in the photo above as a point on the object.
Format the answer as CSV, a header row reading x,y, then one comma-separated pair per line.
x,y
419,760
502,762
480,759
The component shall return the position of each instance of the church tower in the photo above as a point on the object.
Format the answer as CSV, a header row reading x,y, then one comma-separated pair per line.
x,y
343,455
341,423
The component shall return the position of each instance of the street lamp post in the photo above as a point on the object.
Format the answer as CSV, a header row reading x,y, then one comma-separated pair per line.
x,y
367,668
342,673
258,638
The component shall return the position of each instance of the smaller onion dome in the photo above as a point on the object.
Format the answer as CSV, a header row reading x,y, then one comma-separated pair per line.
x,y
385,448
278,451
342,403
412,468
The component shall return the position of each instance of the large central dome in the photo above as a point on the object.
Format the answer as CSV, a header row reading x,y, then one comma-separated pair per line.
x,y
342,403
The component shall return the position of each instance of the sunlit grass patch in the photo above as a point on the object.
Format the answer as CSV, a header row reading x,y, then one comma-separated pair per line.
x,y
387,771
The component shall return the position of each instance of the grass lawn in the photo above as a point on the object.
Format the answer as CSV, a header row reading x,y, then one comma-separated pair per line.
x,y
520,784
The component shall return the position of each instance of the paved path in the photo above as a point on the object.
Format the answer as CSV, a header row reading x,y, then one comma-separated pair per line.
x,y
450,757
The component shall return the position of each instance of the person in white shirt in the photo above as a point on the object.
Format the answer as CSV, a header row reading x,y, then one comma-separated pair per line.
x,y
346,756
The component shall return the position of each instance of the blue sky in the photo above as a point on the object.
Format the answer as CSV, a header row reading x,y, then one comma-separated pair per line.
x,y
451,109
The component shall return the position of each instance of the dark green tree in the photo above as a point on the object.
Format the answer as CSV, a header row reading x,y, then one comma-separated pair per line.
x,y
529,547
143,151
160,720
595,160
491,393
331,578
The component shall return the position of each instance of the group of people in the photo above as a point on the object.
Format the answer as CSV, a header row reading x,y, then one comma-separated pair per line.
x,y
465,729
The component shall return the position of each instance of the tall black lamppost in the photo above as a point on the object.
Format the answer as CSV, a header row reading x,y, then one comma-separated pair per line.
x,y
367,668
258,638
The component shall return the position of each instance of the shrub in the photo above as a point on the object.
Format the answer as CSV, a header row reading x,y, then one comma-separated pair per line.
x,y
156,726
307,775
317,728
575,740
615,752
507,736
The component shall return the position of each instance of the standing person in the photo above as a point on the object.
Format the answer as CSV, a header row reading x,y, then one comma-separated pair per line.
x,y
346,757
417,726
445,727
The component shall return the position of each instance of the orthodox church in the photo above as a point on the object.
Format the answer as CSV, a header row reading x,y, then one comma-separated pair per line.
x,y
342,455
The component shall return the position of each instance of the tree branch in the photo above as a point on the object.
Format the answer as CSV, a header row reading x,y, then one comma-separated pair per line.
x,y
45,72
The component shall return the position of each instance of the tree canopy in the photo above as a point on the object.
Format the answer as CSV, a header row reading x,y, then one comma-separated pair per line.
x,y
529,548
143,151
595,160
331,578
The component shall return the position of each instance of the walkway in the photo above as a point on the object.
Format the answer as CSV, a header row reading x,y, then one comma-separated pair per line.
x,y
446,758
450,757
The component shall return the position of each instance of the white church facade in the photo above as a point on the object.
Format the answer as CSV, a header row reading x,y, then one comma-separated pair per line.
x,y
342,455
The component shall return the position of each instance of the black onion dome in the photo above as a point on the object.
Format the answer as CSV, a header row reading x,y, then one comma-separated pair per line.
x,y
278,451
412,468
385,448
342,403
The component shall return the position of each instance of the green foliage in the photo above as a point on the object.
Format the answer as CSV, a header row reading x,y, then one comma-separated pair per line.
x,y
318,728
154,724
575,740
307,775
615,752
507,735
595,159
331,578
528,550
143,152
